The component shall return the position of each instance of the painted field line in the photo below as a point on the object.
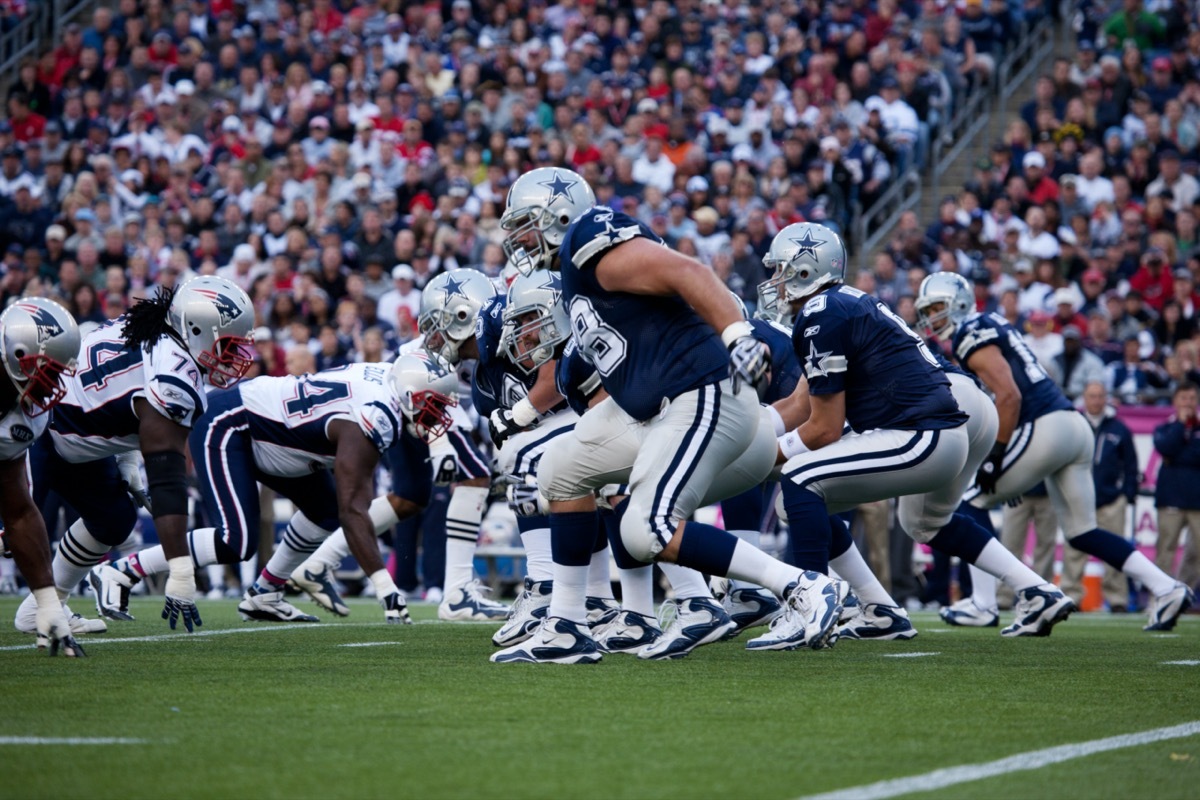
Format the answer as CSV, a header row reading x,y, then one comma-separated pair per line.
x,y
909,655
88,641
70,740
1183,663
1022,762
367,644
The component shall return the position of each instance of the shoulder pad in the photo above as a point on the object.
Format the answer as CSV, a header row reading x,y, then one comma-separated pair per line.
x,y
598,231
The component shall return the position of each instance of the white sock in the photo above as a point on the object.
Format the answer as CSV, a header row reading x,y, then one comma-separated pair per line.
x,y
77,552
301,539
570,593
983,584
637,589
330,553
539,566
203,544
1142,569
854,570
997,560
754,566
686,581
383,516
463,515
751,538
599,582
151,561
248,572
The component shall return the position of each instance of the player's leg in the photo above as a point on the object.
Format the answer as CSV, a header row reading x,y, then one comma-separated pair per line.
x,y
747,605
881,617
1115,517
635,625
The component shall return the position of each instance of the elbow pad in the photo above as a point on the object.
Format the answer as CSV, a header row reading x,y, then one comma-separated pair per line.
x,y
166,474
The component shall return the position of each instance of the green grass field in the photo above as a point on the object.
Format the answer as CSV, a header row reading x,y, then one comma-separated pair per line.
x,y
268,712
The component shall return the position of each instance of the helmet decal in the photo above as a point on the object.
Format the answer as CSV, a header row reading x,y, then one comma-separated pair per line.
x,y
225,306
47,326
559,187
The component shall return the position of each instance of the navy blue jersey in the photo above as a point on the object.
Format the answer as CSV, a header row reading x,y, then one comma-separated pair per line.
x,y
1039,394
646,348
785,367
498,383
850,342
576,378
949,366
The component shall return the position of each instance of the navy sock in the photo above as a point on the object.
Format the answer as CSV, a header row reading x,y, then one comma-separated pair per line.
x,y
809,528
601,534
534,523
979,516
706,549
611,522
961,537
840,541
1108,547
572,536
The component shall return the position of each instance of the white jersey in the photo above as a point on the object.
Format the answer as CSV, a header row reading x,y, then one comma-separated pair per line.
x,y
17,432
289,417
96,418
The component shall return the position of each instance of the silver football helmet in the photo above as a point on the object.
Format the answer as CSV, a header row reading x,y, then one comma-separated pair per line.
x,y
449,305
805,258
39,342
426,387
214,318
541,205
535,320
770,309
944,300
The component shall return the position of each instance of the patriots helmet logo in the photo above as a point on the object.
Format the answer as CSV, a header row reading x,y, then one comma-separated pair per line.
x,y
47,326
226,307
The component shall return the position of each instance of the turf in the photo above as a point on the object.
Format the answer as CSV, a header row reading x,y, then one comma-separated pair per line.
x,y
275,712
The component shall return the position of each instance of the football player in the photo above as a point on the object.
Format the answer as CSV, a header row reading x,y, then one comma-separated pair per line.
x,y
1041,436
288,433
648,320
39,342
140,385
866,369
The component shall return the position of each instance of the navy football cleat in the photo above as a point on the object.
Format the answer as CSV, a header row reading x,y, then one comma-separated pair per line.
x,y
1166,609
1039,608
811,611
879,623
471,603
698,621
525,614
556,641
318,584
750,607
965,613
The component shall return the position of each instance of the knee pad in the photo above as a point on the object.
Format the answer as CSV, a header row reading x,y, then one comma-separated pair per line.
x,y
640,541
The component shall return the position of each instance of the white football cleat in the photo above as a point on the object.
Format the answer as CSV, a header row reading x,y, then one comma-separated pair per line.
x,y
1166,609
811,610
1039,608
750,607
270,607
526,613
555,641
316,581
26,619
878,623
471,603
601,610
627,632
111,587
698,621
966,614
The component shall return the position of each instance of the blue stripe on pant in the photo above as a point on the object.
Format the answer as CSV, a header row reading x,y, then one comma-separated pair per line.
x,y
691,450
471,465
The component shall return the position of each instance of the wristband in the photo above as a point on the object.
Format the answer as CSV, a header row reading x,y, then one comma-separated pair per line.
x,y
383,583
776,422
182,567
735,331
46,597
792,445
523,413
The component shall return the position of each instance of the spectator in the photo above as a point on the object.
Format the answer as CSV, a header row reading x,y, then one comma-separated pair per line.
x,y
401,306
1076,367
1134,378
1175,496
1153,280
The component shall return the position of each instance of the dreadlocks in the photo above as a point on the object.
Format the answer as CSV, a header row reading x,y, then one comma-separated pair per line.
x,y
146,322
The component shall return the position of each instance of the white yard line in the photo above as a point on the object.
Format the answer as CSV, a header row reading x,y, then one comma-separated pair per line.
x,y
909,655
1022,762
70,740
183,636
1183,663
366,644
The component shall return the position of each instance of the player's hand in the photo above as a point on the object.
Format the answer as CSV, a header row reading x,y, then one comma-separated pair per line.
x,y
989,470
523,496
54,632
749,361
131,475
445,470
395,609
181,595
501,426
176,607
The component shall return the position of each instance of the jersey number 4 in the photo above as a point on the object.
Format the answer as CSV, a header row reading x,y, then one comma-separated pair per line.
x,y
312,394
106,360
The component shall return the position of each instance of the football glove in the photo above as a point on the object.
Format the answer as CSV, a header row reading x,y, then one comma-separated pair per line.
x,y
176,607
749,363
54,631
129,467
523,496
989,470
395,609
181,595
445,470
501,426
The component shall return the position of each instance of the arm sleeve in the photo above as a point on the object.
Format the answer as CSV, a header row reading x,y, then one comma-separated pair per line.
x,y
974,335
820,341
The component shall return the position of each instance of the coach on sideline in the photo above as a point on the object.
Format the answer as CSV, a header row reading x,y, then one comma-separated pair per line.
x,y
1177,496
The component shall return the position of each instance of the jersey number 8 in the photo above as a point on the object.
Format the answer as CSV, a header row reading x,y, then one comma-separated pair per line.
x,y
599,342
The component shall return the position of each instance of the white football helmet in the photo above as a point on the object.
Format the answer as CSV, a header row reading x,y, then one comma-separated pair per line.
x,y
955,300
449,305
805,258
770,309
214,318
541,205
39,342
530,343
426,387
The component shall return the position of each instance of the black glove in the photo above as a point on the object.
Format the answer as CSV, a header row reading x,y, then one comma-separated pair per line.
x,y
749,363
989,470
175,607
445,470
501,426
395,609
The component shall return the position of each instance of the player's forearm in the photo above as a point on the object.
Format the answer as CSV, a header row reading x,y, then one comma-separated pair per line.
x,y
1008,406
543,395
26,537
701,289
360,536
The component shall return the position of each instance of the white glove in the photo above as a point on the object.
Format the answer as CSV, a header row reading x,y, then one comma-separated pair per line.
x,y
53,629
129,465
445,469
180,594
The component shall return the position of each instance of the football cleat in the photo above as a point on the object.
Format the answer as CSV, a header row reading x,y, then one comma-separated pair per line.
x,y
1166,609
111,587
525,614
1039,608
601,611
719,587
318,584
851,608
627,632
26,619
470,602
966,614
810,613
554,641
270,607
698,621
879,623
750,607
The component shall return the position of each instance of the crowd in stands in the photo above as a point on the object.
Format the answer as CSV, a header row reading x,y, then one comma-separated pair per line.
x,y
332,156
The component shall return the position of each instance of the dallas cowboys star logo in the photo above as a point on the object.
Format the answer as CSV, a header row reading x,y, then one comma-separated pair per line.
x,y
808,245
454,288
550,284
613,234
817,364
559,187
